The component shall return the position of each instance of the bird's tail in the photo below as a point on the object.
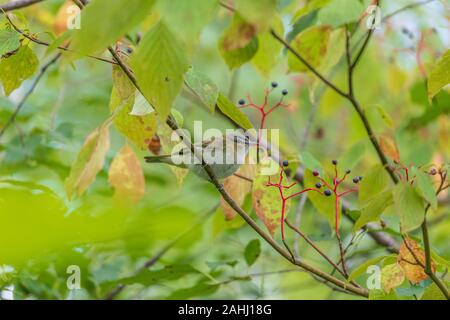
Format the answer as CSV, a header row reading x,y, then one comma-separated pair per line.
x,y
161,159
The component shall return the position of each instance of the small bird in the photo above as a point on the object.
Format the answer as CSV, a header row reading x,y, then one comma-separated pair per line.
x,y
224,154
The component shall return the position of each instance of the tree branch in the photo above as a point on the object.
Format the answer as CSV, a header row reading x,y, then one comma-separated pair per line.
x,y
18,4
27,94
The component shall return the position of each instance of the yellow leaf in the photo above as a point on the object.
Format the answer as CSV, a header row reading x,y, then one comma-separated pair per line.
x,y
139,129
89,162
126,176
267,201
237,188
414,271
312,44
392,276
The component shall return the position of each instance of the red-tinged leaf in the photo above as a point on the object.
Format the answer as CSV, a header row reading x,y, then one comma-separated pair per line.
x,y
89,162
267,201
389,146
126,176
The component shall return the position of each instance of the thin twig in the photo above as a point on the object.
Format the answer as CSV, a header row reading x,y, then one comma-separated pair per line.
x,y
18,4
44,43
20,105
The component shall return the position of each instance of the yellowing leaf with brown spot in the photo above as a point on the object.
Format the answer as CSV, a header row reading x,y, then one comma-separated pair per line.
x,y
389,146
126,176
312,44
237,188
414,271
89,162
267,201
392,276
139,129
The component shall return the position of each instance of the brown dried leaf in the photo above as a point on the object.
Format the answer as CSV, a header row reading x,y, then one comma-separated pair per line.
x,y
126,176
237,188
413,269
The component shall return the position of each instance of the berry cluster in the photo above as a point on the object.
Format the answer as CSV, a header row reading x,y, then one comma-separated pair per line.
x,y
330,189
333,188
264,109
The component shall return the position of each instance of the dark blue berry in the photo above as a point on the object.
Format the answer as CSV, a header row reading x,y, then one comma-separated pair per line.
x,y
355,180
285,163
284,92
274,84
327,192
318,185
242,102
334,162
315,173
348,171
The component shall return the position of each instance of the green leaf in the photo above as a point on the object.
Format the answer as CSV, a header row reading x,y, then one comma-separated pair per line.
x,y
252,251
89,162
425,186
385,116
375,182
409,206
269,49
340,12
238,43
324,205
439,75
432,292
309,7
159,64
186,19
361,269
258,13
374,208
352,157
310,162
17,68
200,289
205,89
124,97
9,41
98,33
233,112
440,260
312,45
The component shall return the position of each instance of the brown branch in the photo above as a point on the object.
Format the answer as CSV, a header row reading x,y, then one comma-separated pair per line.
x,y
18,4
314,246
44,43
19,106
